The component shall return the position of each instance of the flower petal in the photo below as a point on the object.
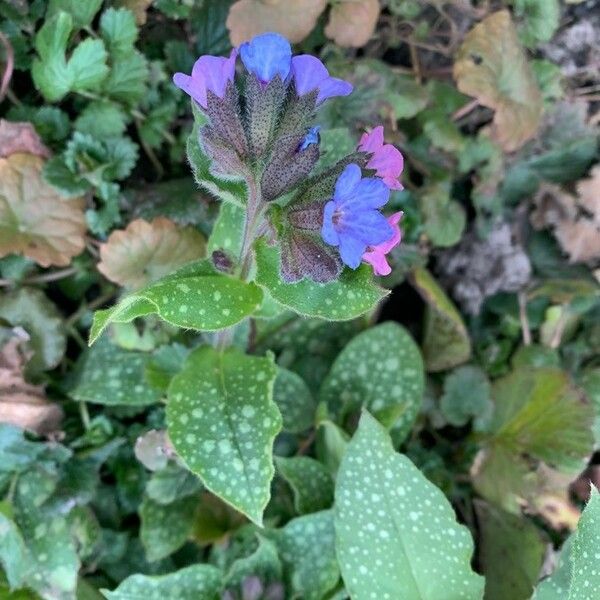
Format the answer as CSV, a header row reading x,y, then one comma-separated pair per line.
x,y
372,141
351,251
328,232
266,56
370,227
346,183
370,192
378,261
311,74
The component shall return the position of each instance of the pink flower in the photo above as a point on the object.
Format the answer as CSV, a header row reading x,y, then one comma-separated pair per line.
x,y
375,255
386,160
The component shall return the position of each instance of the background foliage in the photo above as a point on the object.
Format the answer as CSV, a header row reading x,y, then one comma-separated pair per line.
x,y
480,372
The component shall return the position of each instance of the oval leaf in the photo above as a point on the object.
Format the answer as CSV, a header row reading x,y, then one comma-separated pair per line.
x,y
222,421
396,533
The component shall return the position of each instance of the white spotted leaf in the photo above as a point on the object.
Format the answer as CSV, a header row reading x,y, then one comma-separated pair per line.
x,y
112,376
166,527
295,401
381,369
198,582
194,297
352,295
307,548
222,422
396,533
310,481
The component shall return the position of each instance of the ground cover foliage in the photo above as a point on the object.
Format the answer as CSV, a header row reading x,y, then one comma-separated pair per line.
x,y
190,410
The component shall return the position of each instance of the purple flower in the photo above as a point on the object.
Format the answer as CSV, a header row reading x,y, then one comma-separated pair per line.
x,y
311,74
266,56
386,160
351,220
210,74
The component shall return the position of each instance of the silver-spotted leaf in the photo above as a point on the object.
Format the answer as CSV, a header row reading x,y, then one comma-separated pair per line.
x,y
222,421
396,533
295,401
381,370
353,294
195,297
198,582
310,481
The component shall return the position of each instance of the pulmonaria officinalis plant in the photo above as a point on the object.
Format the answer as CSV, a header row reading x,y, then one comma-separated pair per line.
x,y
295,231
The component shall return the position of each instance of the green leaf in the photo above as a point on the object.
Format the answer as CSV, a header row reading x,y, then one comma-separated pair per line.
x,y
87,65
350,296
310,481
263,562
381,370
578,576
30,309
195,297
227,232
540,20
538,415
172,483
335,144
511,552
118,30
394,529
227,190
466,395
112,376
198,582
444,218
222,421
295,401
306,546
14,556
166,527
83,13
446,342
208,22
102,119
127,79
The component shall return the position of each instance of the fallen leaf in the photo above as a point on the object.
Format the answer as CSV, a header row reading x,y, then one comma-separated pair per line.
x,y
491,65
575,219
294,19
154,449
34,219
21,403
352,22
146,251
20,137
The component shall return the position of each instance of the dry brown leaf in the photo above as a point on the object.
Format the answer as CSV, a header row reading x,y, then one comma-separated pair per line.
x,y
294,19
575,219
138,7
20,137
491,65
352,22
145,252
34,219
21,403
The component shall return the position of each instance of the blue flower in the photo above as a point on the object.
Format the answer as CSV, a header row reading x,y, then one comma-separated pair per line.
x,y
311,74
351,220
312,137
266,56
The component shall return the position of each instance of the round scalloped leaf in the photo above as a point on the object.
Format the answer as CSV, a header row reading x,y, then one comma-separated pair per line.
x,y
222,422
145,252
381,370
195,297
34,219
198,582
353,294
394,529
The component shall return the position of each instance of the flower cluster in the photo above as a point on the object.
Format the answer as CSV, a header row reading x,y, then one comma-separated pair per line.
x,y
260,127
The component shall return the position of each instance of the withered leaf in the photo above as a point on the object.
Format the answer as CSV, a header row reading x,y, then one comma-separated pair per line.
x,y
352,22
146,251
21,403
491,65
294,19
34,219
20,137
